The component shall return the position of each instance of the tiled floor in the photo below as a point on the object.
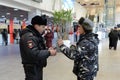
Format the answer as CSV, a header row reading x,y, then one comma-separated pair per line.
x,y
59,67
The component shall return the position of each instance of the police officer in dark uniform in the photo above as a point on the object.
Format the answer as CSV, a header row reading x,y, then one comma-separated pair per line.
x,y
33,50
85,53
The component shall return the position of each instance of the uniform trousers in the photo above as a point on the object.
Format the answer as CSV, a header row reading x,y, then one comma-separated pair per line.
x,y
33,72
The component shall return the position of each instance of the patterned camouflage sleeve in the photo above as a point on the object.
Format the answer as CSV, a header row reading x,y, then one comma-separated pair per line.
x,y
81,51
70,53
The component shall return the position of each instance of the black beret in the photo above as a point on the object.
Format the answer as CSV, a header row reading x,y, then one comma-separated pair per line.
x,y
40,20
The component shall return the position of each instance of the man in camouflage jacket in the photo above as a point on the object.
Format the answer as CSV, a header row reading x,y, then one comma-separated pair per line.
x,y
85,55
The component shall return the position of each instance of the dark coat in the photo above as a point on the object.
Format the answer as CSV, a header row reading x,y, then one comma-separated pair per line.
x,y
119,34
48,38
113,38
32,47
4,35
85,56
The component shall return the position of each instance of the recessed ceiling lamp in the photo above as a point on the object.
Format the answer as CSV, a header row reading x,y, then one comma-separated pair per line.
x,y
8,13
2,16
15,9
21,15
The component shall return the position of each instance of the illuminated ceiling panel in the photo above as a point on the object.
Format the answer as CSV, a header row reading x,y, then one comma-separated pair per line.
x,y
94,3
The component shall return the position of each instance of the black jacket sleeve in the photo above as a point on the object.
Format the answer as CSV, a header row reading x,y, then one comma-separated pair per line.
x,y
32,49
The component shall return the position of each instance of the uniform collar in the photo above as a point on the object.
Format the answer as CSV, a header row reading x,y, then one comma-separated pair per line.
x,y
33,30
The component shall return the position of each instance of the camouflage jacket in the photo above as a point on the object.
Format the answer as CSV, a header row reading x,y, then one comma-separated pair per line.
x,y
85,56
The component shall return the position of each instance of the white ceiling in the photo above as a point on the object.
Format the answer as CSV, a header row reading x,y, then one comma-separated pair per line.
x,y
99,7
14,4
88,3
99,3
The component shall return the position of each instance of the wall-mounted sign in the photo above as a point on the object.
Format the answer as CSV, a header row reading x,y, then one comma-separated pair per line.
x,y
17,26
3,26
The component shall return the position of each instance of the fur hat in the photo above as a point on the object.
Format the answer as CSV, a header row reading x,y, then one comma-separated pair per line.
x,y
40,20
87,24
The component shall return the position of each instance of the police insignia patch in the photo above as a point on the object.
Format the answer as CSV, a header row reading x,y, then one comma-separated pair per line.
x,y
30,44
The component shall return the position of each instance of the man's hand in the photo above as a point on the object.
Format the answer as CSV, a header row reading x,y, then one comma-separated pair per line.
x,y
52,51
60,42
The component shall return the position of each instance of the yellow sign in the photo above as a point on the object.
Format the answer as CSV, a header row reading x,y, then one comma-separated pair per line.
x,y
3,26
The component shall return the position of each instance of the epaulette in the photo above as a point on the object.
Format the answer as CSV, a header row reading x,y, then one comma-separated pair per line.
x,y
30,35
26,35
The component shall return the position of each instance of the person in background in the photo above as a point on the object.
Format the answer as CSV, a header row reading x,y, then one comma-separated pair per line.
x,y
54,41
110,39
77,34
17,36
5,37
33,50
85,54
113,36
48,35
71,36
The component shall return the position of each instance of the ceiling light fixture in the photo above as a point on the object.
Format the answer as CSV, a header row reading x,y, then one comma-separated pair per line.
x,y
8,13
15,9
21,15
2,16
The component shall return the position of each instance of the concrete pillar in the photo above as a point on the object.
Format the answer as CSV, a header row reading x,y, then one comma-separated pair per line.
x,y
109,14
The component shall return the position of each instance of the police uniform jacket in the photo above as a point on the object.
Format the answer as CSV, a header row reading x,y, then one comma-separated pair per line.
x,y
85,56
32,47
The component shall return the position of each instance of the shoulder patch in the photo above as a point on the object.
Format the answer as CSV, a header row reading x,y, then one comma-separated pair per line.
x,y
30,44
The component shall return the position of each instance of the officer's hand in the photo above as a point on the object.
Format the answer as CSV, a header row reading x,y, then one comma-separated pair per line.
x,y
60,42
52,51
